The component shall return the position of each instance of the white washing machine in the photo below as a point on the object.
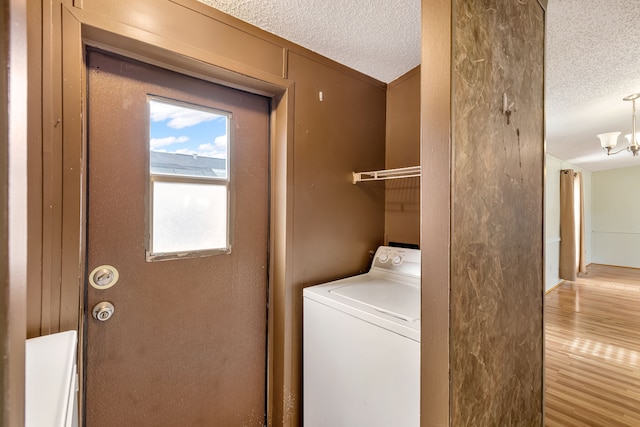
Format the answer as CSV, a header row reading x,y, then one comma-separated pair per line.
x,y
361,346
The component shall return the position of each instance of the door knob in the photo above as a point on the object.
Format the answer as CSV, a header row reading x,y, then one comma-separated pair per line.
x,y
103,311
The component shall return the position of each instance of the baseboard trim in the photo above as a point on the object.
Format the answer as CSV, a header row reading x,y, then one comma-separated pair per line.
x,y
617,266
553,287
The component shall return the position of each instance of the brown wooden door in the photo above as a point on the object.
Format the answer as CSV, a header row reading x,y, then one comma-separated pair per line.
x,y
186,344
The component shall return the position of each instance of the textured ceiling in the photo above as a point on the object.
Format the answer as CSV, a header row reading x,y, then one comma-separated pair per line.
x,y
592,62
380,38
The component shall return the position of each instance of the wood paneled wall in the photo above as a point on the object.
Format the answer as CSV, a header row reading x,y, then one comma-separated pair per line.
x,y
324,225
337,225
343,132
402,196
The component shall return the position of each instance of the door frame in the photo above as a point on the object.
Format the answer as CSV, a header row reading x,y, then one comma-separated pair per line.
x,y
79,29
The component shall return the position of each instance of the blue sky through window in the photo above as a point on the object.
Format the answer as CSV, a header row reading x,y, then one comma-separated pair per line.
x,y
179,129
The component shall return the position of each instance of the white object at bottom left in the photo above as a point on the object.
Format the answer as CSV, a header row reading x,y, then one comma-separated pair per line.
x,y
51,381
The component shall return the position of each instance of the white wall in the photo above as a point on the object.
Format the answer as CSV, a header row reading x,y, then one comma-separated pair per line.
x,y
552,217
616,217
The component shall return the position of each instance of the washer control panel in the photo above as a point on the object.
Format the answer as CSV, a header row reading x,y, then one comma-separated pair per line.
x,y
400,260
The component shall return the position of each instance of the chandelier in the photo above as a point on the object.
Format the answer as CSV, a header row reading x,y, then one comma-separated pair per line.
x,y
609,140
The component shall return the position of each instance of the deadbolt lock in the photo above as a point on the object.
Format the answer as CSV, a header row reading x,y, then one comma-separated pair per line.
x,y
103,277
103,311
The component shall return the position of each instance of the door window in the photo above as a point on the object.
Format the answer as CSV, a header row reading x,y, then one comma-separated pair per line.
x,y
188,180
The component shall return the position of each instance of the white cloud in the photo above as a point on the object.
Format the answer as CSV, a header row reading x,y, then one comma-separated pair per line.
x,y
221,141
179,117
184,151
162,142
218,149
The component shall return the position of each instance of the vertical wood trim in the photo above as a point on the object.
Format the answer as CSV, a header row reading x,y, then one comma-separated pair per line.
x,y
280,301
435,239
51,161
13,164
34,180
70,82
285,63
5,331
73,177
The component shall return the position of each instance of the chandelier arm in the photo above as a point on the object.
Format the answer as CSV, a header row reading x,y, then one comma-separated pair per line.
x,y
611,153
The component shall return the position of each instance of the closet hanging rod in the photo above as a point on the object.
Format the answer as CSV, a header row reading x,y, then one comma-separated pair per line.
x,y
408,172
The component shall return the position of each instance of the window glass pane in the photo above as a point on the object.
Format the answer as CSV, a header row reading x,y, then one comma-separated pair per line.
x,y
188,217
187,140
189,179
187,165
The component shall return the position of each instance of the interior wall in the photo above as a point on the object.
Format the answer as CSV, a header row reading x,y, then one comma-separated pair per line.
x,y
552,217
487,180
402,196
337,225
616,230
326,226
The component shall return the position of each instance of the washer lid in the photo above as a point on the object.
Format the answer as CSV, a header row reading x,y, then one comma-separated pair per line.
x,y
396,299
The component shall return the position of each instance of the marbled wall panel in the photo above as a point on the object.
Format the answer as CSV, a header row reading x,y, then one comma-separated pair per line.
x,y
496,289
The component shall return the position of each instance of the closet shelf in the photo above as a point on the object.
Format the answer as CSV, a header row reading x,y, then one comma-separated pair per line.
x,y
408,172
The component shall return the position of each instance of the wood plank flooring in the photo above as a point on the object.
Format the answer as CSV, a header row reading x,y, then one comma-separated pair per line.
x,y
592,364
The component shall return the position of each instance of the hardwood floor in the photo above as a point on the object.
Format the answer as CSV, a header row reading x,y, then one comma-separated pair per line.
x,y
592,364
